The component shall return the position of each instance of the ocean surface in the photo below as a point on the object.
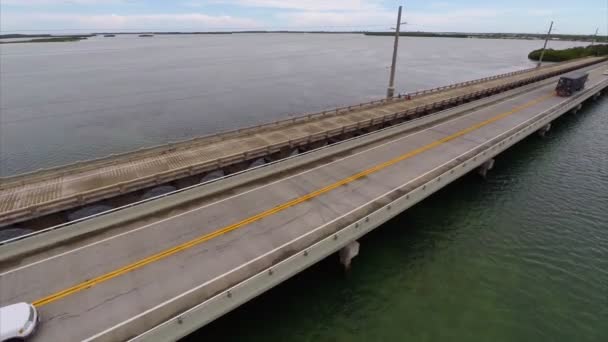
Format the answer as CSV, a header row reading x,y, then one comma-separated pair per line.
x,y
520,256
64,102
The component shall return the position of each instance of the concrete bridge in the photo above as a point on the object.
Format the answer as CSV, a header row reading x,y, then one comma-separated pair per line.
x,y
160,269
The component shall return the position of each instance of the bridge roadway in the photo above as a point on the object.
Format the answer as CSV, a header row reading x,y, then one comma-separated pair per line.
x,y
41,193
120,285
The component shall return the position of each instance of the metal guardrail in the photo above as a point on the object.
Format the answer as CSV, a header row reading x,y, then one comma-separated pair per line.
x,y
79,166
167,176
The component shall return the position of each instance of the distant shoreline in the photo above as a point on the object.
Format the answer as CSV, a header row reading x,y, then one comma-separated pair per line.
x,y
41,38
519,36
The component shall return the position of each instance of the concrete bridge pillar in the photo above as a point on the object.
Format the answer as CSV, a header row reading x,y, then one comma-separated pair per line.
x,y
283,153
485,167
236,167
348,253
543,131
88,210
577,108
315,145
257,162
186,182
212,175
597,96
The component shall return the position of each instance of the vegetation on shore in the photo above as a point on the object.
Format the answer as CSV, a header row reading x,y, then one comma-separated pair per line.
x,y
19,35
552,55
48,39
419,34
526,36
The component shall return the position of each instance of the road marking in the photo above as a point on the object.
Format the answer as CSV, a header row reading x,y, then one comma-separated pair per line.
x,y
260,257
435,127
203,238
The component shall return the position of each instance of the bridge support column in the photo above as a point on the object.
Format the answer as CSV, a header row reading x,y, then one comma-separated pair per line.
x,y
348,253
212,175
315,145
597,95
186,182
485,167
284,153
236,167
257,162
577,108
543,131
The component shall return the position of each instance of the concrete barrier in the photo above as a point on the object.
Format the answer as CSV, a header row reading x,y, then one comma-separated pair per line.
x,y
21,247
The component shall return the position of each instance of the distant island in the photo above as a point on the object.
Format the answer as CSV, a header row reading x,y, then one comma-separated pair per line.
x,y
18,35
42,38
552,55
419,34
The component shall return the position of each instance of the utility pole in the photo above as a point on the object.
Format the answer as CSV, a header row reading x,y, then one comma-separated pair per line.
x,y
390,92
595,36
542,53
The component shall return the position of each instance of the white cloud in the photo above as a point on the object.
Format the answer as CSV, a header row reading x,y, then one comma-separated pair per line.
x,y
185,21
279,14
25,3
328,19
440,4
453,20
307,5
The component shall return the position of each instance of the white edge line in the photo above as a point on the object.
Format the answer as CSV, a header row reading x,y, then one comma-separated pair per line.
x,y
516,128
248,191
309,232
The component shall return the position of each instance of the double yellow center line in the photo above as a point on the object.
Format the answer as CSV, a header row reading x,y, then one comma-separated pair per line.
x,y
189,244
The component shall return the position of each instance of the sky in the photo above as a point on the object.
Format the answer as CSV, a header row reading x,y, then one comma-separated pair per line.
x,y
39,16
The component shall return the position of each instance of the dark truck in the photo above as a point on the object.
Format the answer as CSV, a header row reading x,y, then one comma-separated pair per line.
x,y
571,83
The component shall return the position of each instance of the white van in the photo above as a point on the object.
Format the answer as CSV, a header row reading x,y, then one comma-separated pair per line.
x,y
18,321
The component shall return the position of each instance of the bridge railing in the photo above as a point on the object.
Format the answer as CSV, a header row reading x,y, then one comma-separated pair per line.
x,y
112,159
210,165
467,83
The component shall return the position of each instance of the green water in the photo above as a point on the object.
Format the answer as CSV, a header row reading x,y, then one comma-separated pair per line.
x,y
521,256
